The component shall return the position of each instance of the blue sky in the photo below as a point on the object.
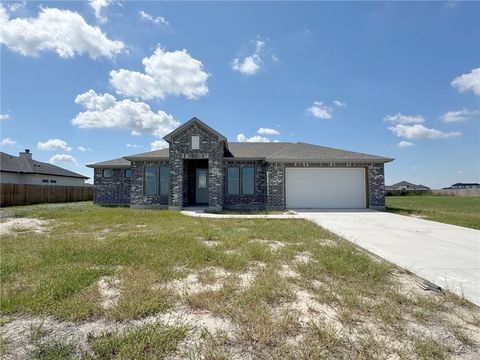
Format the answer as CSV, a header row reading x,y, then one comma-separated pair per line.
x,y
83,82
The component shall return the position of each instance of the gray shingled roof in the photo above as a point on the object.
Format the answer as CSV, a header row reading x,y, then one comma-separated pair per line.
x,y
22,164
408,185
115,163
272,151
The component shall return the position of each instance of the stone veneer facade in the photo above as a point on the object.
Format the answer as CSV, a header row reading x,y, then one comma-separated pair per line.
x,y
269,184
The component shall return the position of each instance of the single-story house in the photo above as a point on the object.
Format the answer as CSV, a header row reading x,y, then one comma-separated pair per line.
x,y
405,185
464,186
23,169
201,167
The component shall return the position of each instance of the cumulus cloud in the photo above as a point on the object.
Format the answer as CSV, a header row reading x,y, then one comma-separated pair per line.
x,y
404,119
105,111
457,116
267,131
158,144
134,146
340,103
83,148
165,73
321,111
62,158
468,82
159,20
4,117
7,142
418,131
404,143
62,31
53,145
98,6
256,138
250,65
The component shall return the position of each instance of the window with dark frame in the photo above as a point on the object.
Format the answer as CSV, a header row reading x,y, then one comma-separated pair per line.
x,y
233,180
127,173
44,180
164,177
150,181
107,173
53,181
248,181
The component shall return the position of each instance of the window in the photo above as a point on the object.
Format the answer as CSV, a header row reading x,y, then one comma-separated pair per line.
x,y
150,181
164,180
107,173
195,142
233,183
128,173
53,181
248,181
44,180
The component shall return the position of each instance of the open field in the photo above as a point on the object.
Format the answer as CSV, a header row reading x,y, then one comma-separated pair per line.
x,y
455,210
81,281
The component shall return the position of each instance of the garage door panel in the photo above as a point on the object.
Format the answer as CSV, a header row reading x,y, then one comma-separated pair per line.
x,y
325,188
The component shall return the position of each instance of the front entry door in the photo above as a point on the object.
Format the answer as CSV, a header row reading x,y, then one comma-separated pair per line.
x,y
201,187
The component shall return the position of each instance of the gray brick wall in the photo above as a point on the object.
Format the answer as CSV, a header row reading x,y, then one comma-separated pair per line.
x,y
275,186
137,196
210,148
255,201
376,187
111,191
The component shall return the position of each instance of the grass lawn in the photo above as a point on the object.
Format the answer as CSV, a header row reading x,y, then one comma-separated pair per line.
x,y
85,282
455,210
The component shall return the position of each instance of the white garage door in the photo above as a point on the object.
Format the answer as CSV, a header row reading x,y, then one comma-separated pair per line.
x,y
325,188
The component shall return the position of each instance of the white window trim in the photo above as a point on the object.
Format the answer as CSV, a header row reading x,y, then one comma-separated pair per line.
x,y
195,142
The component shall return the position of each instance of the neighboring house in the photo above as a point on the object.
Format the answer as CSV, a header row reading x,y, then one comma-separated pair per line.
x,y
201,167
23,169
464,186
405,185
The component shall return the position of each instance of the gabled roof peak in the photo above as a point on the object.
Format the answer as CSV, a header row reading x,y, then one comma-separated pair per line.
x,y
193,120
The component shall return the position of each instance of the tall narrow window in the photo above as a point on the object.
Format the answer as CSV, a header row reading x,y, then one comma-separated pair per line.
x,y
195,142
248,181
128,173
107,173
164,180
150,181
233,181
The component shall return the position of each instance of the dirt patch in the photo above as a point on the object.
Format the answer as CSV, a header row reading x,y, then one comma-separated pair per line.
x,y
109,289
18,225
211,243
286,271
303,257
272,244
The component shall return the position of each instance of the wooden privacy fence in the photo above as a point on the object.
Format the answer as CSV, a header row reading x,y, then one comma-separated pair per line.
x,y
22,194
458,192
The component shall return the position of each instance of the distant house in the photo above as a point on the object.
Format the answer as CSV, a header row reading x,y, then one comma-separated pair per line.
x,y
406,186
465,186
23,169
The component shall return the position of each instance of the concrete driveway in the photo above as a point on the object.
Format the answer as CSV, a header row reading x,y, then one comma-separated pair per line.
x,y
446,255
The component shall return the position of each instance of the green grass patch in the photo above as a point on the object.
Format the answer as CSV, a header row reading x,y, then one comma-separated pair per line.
x,y
455,210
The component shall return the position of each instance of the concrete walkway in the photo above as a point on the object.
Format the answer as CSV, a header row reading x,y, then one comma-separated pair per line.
x,y
446,255
202,213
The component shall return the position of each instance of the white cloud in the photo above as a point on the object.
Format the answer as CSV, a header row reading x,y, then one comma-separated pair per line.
x,y
467,82
62,31
159,20
340,103
158,144
275,58
4,117
98,6
321,111
457,116
251,64
83,149
7,142
16,6
105,111
404,119
267,131
166,73
53,144
255,138
62,158
459,172
404,143
134,146
418,131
